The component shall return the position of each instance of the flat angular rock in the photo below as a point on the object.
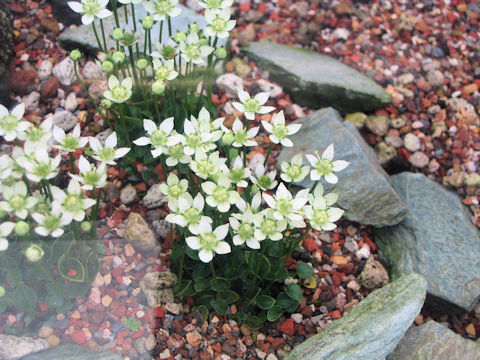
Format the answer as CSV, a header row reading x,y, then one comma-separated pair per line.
x,y
14,347
366,193
317,80
139,234
83,37
72,352
434,341
372,329
436,239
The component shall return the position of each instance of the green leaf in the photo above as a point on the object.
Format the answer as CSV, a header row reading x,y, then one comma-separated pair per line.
x,y
132,323
222,283
201,284
25,298
276,251
76,289
220,306
274,313
229,295
3,306
192,254
203,310
55,295
61,245
183,289
294,291
149,174
265,302
304,270
67,263
201,271
285,301
93,266
100,246
255,322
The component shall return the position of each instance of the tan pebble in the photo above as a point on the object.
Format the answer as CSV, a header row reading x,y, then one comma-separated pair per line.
x,y
53,340
419,319
44,332
470,329
107,300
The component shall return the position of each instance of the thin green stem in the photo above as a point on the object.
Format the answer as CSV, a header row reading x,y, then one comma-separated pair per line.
x,y
103,35
115,13
268,154
161,31
133,18
96,36
169,27
126,13
210,72
214,275
48,189
132,63
72,163
27,184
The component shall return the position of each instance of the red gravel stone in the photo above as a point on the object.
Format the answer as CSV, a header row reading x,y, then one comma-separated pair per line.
x,y
49,89
21,80
287,327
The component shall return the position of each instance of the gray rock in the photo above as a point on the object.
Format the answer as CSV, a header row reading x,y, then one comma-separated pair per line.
x,y
436,239
65,120
83,37
44,70
273,89
72,352
157,287
317,80
434,341
14,347
31,101
128,194
230,84
364,187
412,142
418,159
97,88
102,135
139,234
71,102
373,275
92,71
377,124
435,78
372,329
154,197
64,72
162,227
384,153
357,119
460,104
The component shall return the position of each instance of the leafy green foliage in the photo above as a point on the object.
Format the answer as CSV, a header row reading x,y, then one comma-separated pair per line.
x,y
132,324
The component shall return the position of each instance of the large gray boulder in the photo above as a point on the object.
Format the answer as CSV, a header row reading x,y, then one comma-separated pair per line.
x,y
434,341
366,193
14,347
72,352
373,328
83,37
436,239
317,80
6,51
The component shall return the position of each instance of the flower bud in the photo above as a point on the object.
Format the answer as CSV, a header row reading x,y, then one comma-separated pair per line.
x,y
34,253
21,228
107,66
3,214
147,22
85,226
142,64
227,139
203,42
118,57
2,291
117,34
42,208
221,53
158,87
180,36
75,55
194,27
106,103
169,52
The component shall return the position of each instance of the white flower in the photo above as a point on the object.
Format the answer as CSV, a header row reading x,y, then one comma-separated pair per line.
x,y
90,176
90,9
294,171
205,125
201,134
187,211
11,123
219,23
161,9
174,187
269,227
72,202
130,1
164,71
220,194
251,106
118,92
206,166
5,229
39,166
176,153
242,136
216,5
264,181
324,166
51,223
319,211
278,131
244,229
285,206
107,153
165,51
18,157
69,142
37,135
209,242
238,173
6,164
159,137
17,200
192,51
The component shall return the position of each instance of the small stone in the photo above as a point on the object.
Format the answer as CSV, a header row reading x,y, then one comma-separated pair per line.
x,y
253,16
398,122
411,142
92,71
64,72
128,194
341,33
435,78
384,153
456,179
358,119
373,275
231,84
271,356
21,81
97,88
297,318
95,296
139,234
65,120
242,69
44,70
154,197
31,101
394,140
50,24
129,250
405,79
49,89
13,347
78,337
150,342
53,340
194,338
162,227
419,159
247,35
364,252
71,102
470,329
107,300
164,354
354,285
44,332
351,245
173,308
266,86
377,124
102,136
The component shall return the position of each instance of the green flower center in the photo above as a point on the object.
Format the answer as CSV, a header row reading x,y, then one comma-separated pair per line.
x,y
162,72
73,203
43,170
268,226
35,134
159,138
320,217
70,142
194,141
324,166
214,4
294,171
208,241
120,92
176,151
284,207
219,24
245,231
251,105
91,178
192,216
175,190
9,123
192,51
264,182
17,202
220,194
163,7
51,223
280,131
91,7
206,167
241,136
237,175
107,154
